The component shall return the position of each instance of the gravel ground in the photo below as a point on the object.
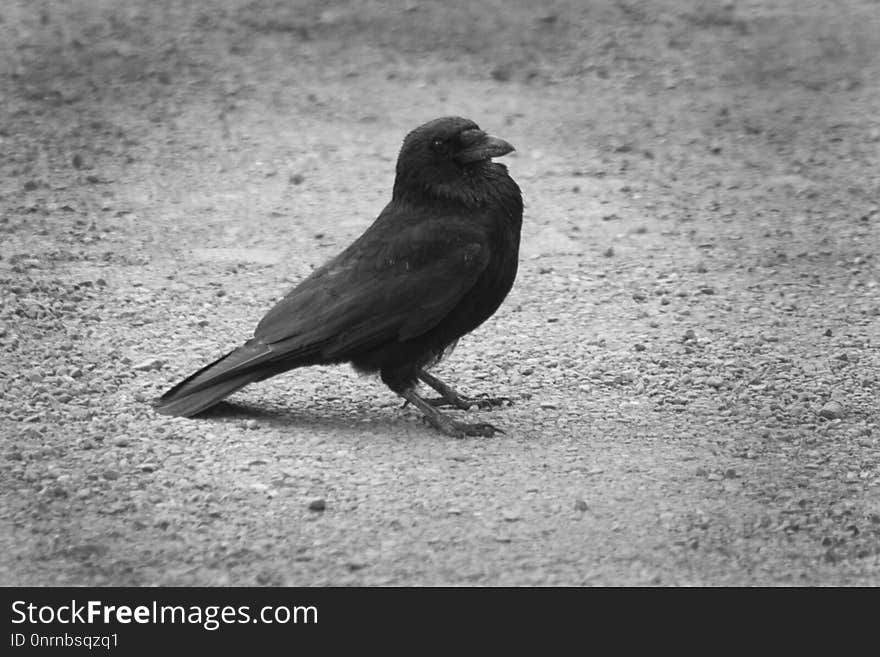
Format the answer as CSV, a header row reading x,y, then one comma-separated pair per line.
x,y
692,347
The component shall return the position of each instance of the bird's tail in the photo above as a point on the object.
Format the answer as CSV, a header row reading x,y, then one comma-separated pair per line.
x,y
212,383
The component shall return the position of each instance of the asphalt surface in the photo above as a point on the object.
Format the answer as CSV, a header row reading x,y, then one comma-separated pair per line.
x,y
692,347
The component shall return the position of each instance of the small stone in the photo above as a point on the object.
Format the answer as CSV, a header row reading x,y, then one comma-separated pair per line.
x,y
581,505
714,382
317,505
148,467
833,410
111,475
502,72
609,252
149,364
639,346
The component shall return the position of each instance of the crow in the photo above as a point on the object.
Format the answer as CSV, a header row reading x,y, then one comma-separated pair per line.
x,y
435,264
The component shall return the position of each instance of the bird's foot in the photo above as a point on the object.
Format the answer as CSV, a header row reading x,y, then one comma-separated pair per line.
x,y
449,396
462,429
477,429
446,424
481,401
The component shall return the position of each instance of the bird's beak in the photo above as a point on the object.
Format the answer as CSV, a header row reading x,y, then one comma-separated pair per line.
x,y
479,146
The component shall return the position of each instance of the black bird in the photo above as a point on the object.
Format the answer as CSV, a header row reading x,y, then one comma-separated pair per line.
x,y
437,263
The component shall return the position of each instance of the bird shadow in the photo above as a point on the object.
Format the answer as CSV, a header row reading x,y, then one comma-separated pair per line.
x,y
324,418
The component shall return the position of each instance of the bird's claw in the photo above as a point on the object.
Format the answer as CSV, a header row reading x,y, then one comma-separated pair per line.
x,y
482,401
461,429
464,429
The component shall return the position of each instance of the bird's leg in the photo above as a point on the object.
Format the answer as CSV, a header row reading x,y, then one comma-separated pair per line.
x,y
449,397
446,424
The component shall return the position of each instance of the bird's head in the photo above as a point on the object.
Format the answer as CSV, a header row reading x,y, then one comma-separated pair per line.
x,y
444,153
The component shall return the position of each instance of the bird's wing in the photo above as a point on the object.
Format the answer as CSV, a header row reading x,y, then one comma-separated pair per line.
x,y
395,282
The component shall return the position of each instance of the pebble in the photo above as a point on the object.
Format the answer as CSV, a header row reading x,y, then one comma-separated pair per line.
x,y
833,410
317,505
580,505
149,364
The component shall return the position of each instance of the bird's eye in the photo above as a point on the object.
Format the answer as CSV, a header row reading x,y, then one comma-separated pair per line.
x,y
438,145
